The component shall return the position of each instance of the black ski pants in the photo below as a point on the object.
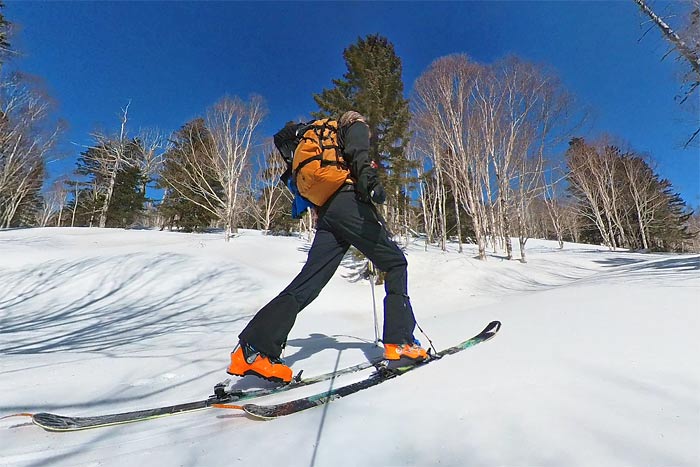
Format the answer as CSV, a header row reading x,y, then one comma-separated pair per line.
x,y
342,221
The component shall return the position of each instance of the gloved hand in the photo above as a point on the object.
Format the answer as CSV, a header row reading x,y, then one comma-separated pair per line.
x,y
362,188
378,194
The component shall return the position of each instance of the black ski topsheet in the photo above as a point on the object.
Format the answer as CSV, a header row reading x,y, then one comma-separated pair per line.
x,y
287,408
55,422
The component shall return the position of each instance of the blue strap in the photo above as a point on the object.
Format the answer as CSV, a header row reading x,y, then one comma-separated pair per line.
x,y
299,203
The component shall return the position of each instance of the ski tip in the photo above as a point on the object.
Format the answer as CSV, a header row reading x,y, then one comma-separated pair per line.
x,y
53,422
21,414
259,412
492,328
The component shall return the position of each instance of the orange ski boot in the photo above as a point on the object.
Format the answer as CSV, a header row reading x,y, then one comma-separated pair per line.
x,y
404,354
247,361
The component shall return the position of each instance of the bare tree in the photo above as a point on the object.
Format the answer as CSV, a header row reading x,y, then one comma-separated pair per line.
x,y
54,202
75,191
687,45
488,128
216,156
597,178
61,193
688,51
425,150
543,127
25,141
47,211
443,105
644,190
552,197
583,163
272,193
491,98
152,146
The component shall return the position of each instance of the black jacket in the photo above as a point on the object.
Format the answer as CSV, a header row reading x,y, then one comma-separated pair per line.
x,y
356,154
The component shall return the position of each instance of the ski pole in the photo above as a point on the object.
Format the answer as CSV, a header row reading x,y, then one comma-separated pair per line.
x,y
372,277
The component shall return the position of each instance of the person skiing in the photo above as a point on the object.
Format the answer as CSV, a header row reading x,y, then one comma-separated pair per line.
x,y
347,218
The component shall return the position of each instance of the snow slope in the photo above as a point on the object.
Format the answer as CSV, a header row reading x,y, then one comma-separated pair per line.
x,y
597,363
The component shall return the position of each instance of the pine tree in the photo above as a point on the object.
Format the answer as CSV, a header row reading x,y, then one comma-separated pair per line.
x,y
181,207
624,200
5,28
373,86
128,198
669,231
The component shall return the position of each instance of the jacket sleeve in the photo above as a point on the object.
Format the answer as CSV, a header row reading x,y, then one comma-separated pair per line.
x,y
356,154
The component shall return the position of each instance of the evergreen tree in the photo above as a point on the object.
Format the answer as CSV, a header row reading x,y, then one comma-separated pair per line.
x,y
373,86
128,198
182,207
621,198
88,195
669,231
5,27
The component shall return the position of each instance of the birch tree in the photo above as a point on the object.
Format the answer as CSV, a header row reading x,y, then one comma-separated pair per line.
x,y
53,203
600,180
544,108
553,200
443,103
25,140
584,179
273,195
511,100
152,145
424,150
687,43
215,158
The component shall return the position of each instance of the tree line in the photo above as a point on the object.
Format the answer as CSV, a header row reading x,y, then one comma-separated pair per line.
x,y
480,153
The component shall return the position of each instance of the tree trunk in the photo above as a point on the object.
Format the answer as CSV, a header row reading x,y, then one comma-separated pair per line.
x,y
459,225
108,198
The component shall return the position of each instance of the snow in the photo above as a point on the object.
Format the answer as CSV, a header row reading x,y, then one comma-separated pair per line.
x,y
597,363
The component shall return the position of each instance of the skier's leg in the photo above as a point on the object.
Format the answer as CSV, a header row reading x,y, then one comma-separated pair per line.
x,y
268,330
358,224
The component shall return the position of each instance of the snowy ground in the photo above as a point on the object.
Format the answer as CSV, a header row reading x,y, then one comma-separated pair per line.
x,y
597,363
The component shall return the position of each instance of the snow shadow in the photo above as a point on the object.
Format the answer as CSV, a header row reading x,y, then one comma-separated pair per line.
x,y
683,264
310,346
318,342
670,270
99,304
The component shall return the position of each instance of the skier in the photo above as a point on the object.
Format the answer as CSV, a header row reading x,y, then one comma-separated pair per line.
x,y
347,218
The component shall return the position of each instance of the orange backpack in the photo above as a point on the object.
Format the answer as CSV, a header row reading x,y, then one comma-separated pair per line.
x,y
318,167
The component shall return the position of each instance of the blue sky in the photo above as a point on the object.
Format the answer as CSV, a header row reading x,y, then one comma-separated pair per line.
x,y
174,59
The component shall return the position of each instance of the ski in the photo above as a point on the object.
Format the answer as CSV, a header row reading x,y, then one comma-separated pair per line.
x,y
221,396
381,375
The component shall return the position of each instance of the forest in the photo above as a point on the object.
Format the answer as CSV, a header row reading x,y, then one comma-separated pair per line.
x,y
490,154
